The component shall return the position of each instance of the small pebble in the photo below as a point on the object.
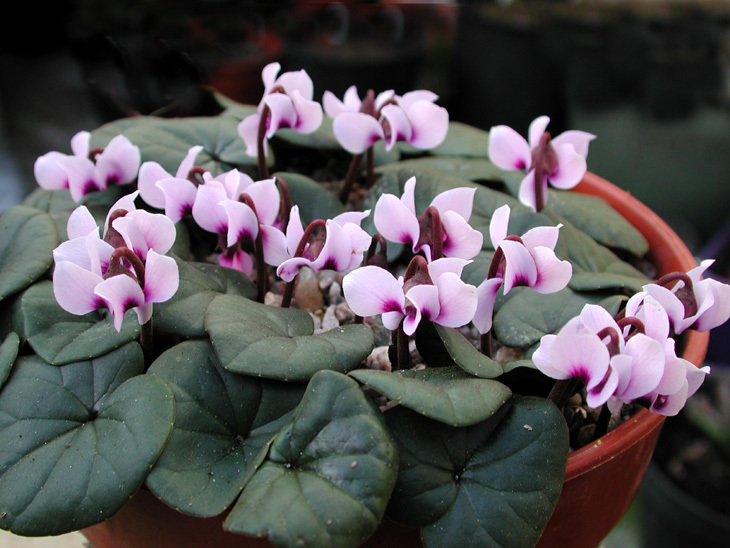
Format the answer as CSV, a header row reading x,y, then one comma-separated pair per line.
x,y
307,295
378,359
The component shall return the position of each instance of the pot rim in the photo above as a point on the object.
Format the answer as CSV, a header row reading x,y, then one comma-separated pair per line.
x,y
661,237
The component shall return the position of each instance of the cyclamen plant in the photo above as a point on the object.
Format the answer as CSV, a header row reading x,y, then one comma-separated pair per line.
x,y
244,342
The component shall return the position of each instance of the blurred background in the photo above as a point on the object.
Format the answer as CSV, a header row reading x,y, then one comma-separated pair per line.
x,y
651,78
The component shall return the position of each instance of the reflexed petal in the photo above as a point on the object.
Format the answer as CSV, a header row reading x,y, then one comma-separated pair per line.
x,y
391,320
552,273
119,162
149,174
670,303
651,313
596,318
179,197
571,168
439,267
371,290
461,239
161,278
207,212
429,124
459,200
157,230
337,249
80,144
248,129
409,195
498,225
579,139
354,217
359,244
144,313
647,366
671,404
399,124
508,149
695,376
425,301
541,236
274,243
120,293
297,82
309,113
675,372
73,288
599,394
266,198
80,223
486,297
543,360
82,177
458,301
394,221
268,75
332,105
520,266
351,100
125,203
719,312
527,194
282,113
294,231
537,130
289,269
383,97
49,173
410,98
242,222
188,162
357,132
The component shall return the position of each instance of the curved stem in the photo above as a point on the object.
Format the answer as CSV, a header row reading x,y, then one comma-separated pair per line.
x,y
261,143
561,391
350,178
404,354
262,279
289,289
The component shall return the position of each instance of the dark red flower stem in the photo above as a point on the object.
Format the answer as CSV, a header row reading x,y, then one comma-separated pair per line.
x,y
685,293
544,160
285,204
403,352
262,278
485,343
261,143
349,180
562,390
289,289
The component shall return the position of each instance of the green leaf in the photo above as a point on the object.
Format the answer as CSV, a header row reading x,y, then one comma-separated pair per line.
x,y
60,337
493,484
528,315
166,141
322,138
470,169
78,440
222,422
183,314
313,199
465,354
26,248
445,394
278,343
8,353
599,220
328,475
463,140
55,201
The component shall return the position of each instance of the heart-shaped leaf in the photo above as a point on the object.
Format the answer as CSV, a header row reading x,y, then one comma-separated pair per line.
x,y
313,199
465,354
328,475
8,353
55,201
26,248
463,140
492,484
528,315
199,284
60,337
166,141
599,220
222,422
470,169
445,394
78,440
277,343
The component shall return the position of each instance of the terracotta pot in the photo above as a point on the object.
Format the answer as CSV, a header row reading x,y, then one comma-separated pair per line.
x,y
601,479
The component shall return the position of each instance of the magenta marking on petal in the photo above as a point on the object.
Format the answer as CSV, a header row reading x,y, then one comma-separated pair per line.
x,y
89,186
186,209
581,374
391,306
113,179
99,303
331,264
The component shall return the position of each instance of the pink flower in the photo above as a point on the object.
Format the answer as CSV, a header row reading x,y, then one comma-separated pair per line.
x,y
91,274
88,170
525,261
693,302
340,246
288,103
561,161
413,118
438,295
396,220
175,194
